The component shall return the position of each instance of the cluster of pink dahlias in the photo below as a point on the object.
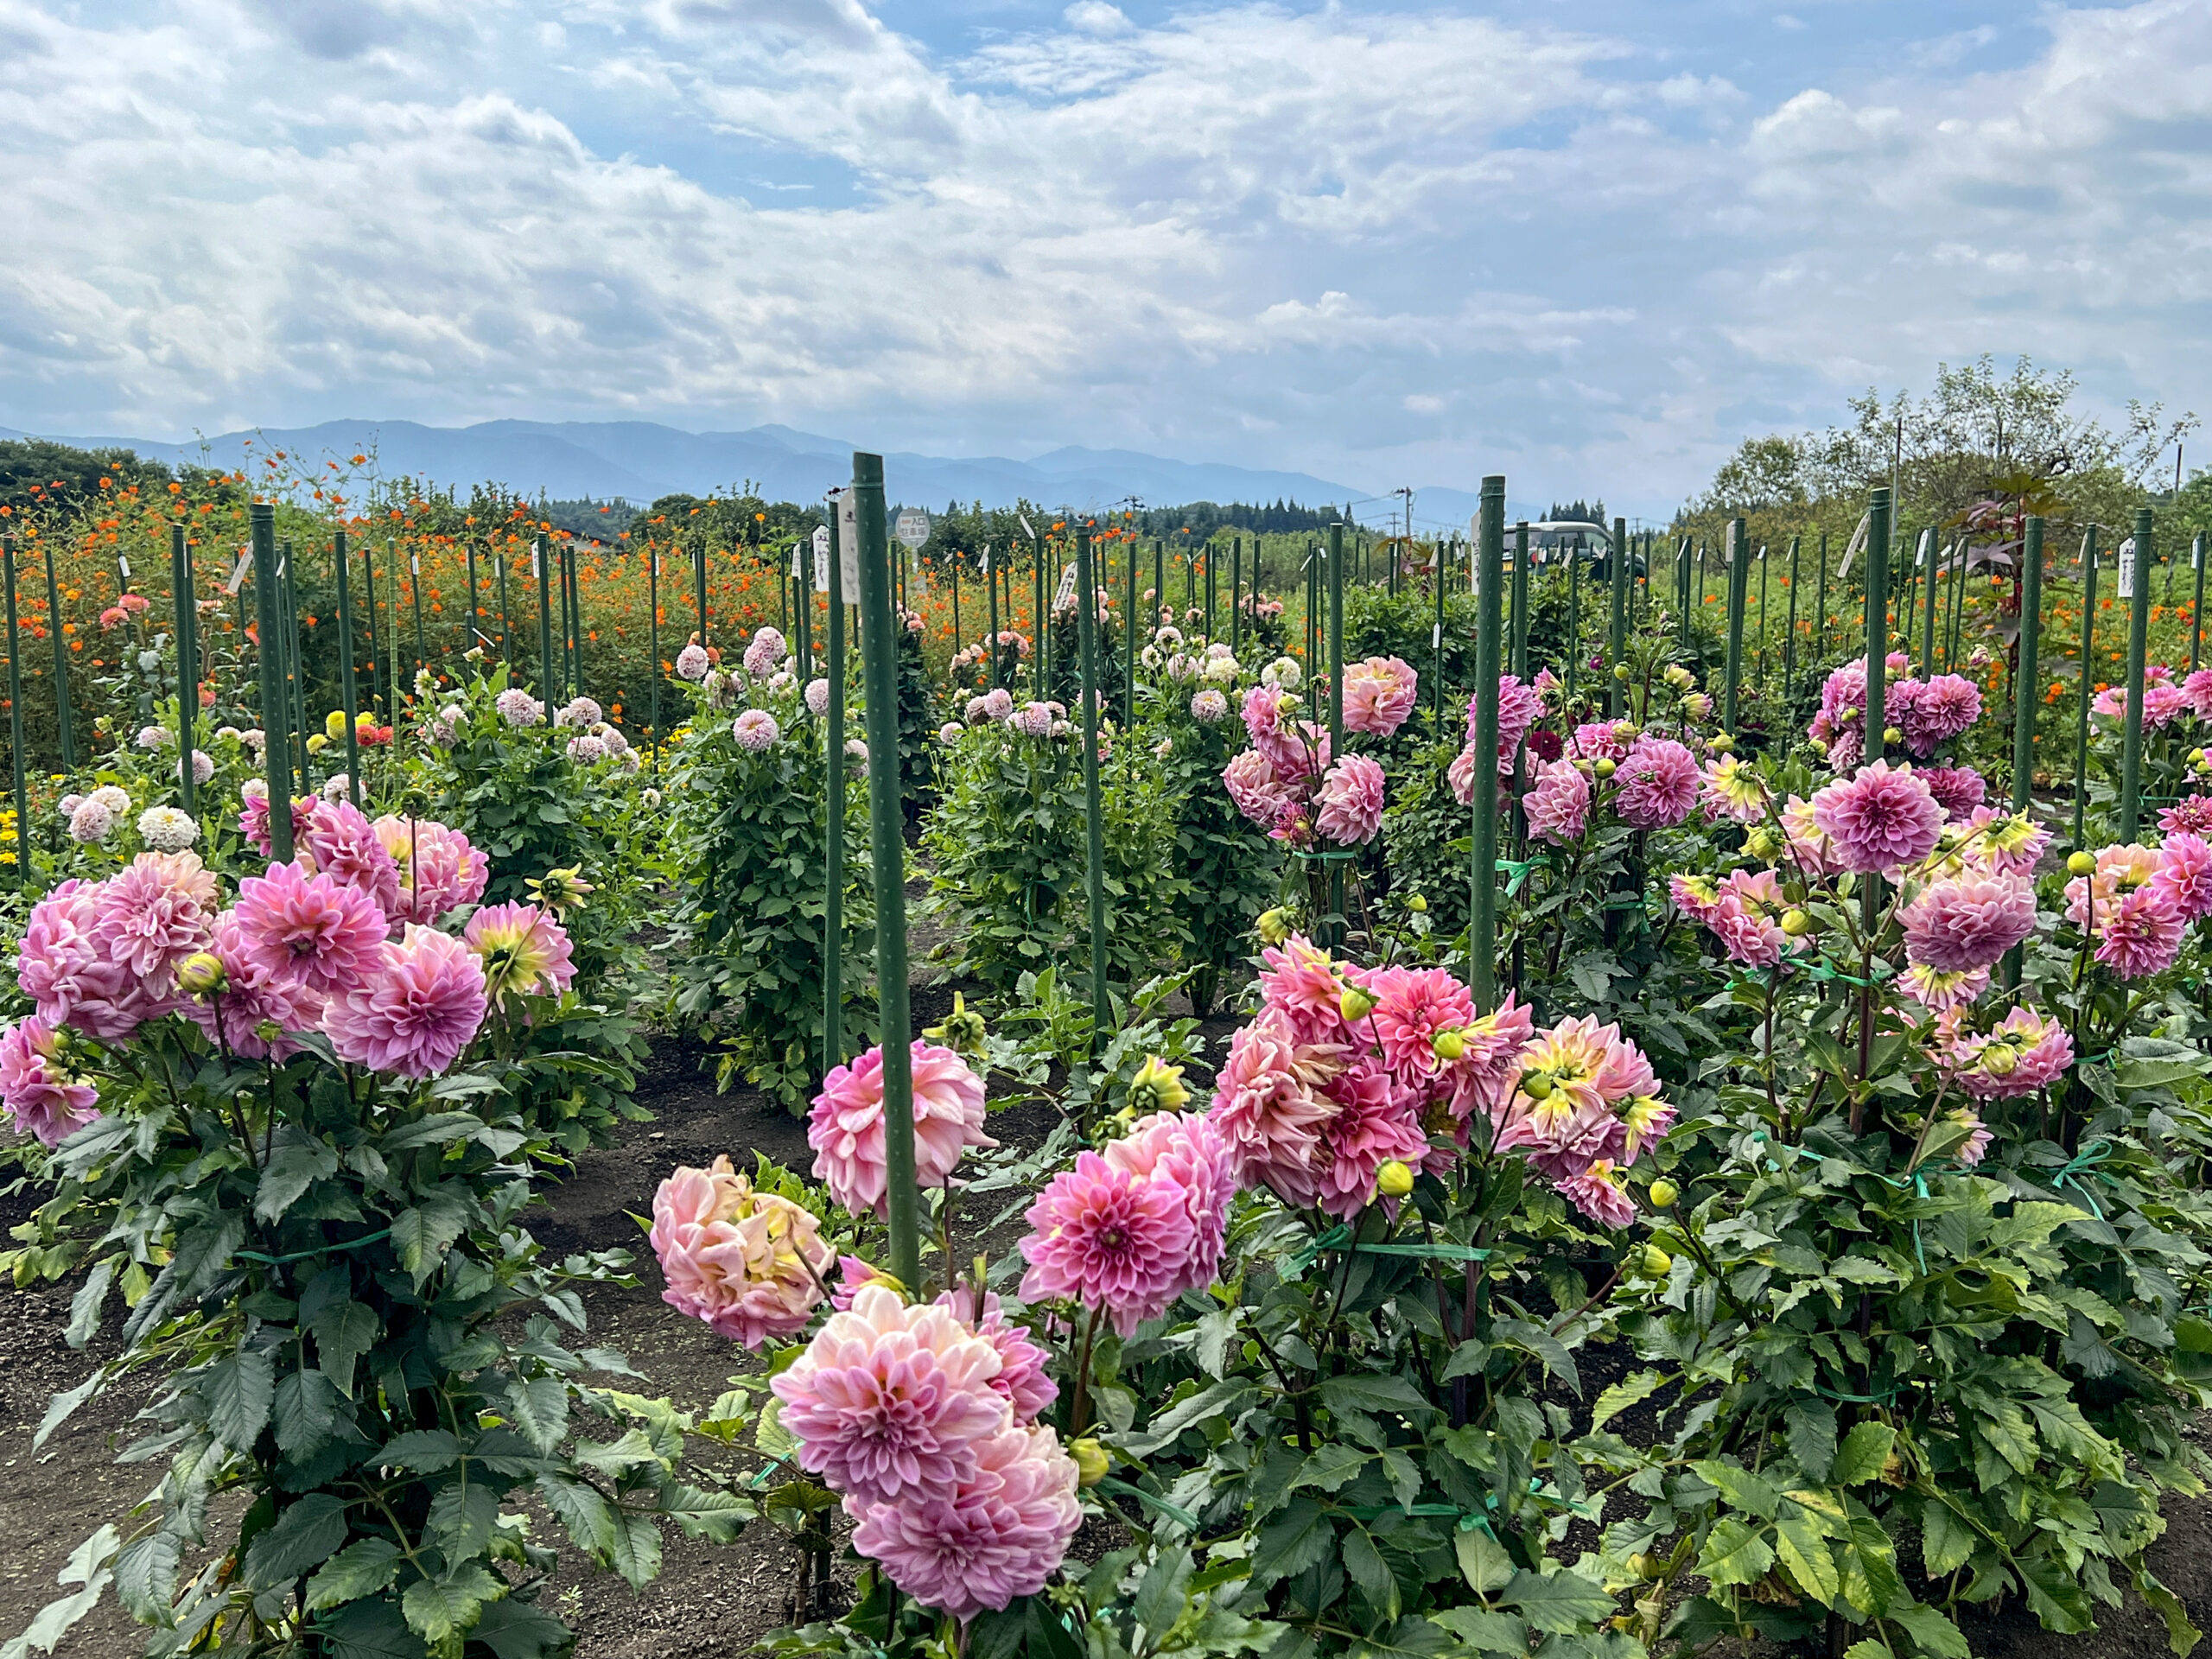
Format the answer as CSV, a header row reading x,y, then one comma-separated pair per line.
x,y
846,1126
1379,694
2022,1053
1557,804
2138,904
765,652
1841,723
1136,1224
906,1411
750,1264
1881,819
1957,924
1744,910
1346,1068
338,941
2162,700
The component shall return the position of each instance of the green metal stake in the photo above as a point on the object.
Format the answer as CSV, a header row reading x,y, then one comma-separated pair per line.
x,y
1519,653
2197,605
1617,642
295,664
888,846
414,594
652,629
1877,619
2024,698
1820,613
188,666
276,712
1208,557
1337,918
699,572
1129,646
1759,674
1436,639
2088,649
1738,573
506,622
349,695
15,721
1042,623
575,620
369,586
1235,595
991,645
1482,922
1933,553
2135,579
833,824
1573,620
1790,645
62,663
1095,855
469,632
542,566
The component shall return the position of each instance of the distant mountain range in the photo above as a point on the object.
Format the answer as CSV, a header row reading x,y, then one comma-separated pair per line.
x,y
639,460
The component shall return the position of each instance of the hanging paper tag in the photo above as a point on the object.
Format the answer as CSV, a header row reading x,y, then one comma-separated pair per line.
x,y
237,576
821,558
848,546
2127,569
1067,587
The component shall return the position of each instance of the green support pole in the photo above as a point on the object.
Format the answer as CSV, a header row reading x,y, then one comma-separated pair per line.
x,y
1790,645
1482,922
1821,610
1738,573
1519,653
15,721
888,846
1758,676
991,644
2082,685
2197,605
469,632
349,696
1129,647
1337,920
1436,638
2025,677
575,619
1877,619
1617,642
2136,580
295,676
1573,620
1095,853
699,575
652,632
188,676
1235,595
62,663
542,566
833,827
1042,623
275,714
1926,589
506,619
415,596
1208,557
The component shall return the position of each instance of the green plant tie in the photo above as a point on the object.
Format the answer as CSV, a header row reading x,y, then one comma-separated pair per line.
x,y
1517,873
1821,968
1339,1238
2083,1164
1122,1489
321,1249
1919,1184
1326,854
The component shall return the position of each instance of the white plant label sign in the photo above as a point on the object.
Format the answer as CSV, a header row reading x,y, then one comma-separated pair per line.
x,y
821,558
914,527
2127,569
849,547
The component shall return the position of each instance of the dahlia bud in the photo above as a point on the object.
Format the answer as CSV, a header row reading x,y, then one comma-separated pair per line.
x,y
1537,1085
1354,1003
1892,735
1999,1059
1795,923
1847,715
1818,746
1449,1045
963,1031
1678,676
201,974
1091,1461
1663,1194
2082,864
1721,743
1605,767
1418,904
1157,1087
1620,672
1275,927
1624,731
1395,1179
1762,843
1656,1262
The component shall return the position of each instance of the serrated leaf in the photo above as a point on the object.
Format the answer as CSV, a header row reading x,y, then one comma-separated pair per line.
x,y
1561,1602
430,1129
305,1413
1332,1464
1805,1556
635,1550
1293,1541
1486,1631
1483,1561
343,1332
238,1390
1621,1396
307,1533
1161,1594
1734,1553
424,1451
1374,1392
715,1516
84,1307
421,1235
1809,1427
617,1457
540,1409
582,1511
1863,1455
63,1406
461,1519
292,1169
1371,1573
145,1576
1946,1541
438,1610
515,1629
1547,1348
369,1629
363,1568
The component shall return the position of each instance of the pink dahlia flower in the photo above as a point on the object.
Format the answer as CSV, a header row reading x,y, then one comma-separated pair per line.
x,y
2143,934
1024,1379
257,1006
1696,896
1001,1534
1379,694
1300,978
36,1088
1189,1150
1413,1006
1939,992
344,845
1585,1074
1489,1066
2185,872
2197,688
157,912
1108,1238
1957,789
415,1014
1969,921
890,1402
1374,1124
523,949
1597,740
749,1264
64,967
1267,1106
755,730
1466,767
2005,844
2192,813
846,1127
439,870
1733,789
1253,787
1879,818
1934,713
311,930
2120,869
1558,808
765,652
1350,800
1657,785
1600,1193
1518,705
253,819
2025,1053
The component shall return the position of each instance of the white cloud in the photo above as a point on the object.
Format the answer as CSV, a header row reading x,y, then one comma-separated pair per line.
x,y
1247,233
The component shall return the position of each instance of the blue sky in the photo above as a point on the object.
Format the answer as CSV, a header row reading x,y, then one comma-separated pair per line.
x,y
1589,245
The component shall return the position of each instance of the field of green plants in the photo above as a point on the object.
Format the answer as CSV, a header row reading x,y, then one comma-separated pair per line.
x,y
1649,1098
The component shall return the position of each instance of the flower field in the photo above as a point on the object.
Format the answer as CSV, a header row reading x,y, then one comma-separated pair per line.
x,y
1290,1096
